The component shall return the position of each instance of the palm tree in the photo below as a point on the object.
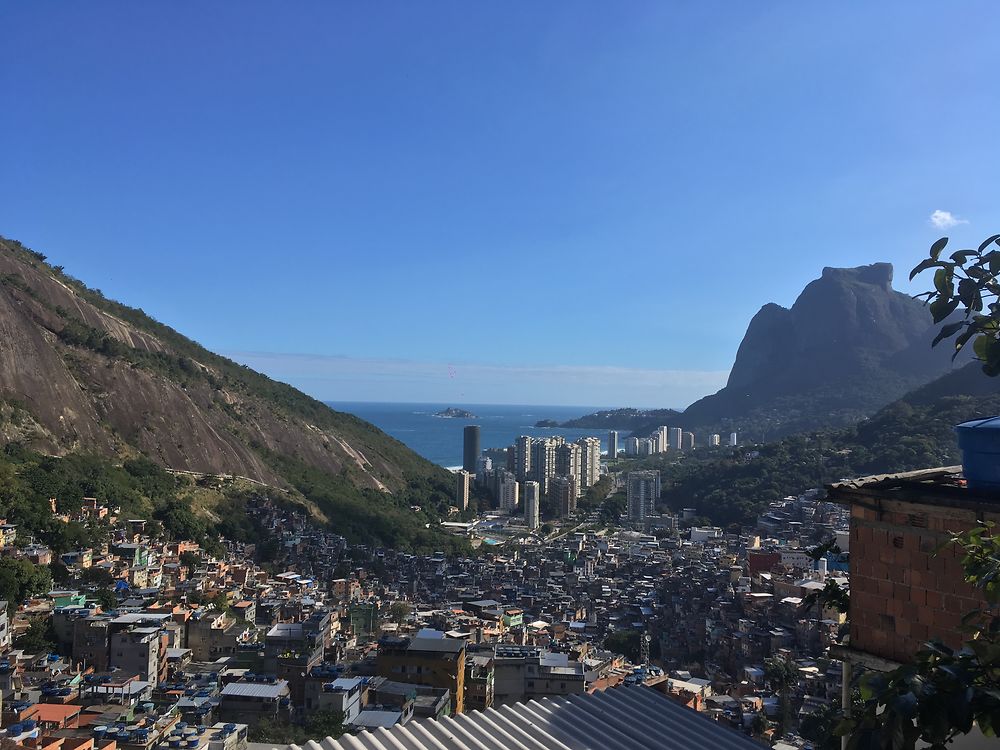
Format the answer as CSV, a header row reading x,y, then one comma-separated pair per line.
x,y
780,675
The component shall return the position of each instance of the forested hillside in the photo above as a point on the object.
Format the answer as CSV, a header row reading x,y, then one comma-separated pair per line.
x,y
915,432
84,375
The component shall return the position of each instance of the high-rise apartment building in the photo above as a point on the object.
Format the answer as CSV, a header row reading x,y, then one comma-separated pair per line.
x,y
563,490
470,448
713,440
463,481
522,457
676,438
613,444
647,446
689,441
632,446
507,491
543,461
590,461
569,463
532,504
662,439
732,439
642,494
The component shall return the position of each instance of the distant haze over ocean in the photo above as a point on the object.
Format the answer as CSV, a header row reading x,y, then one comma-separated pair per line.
x,y
439,439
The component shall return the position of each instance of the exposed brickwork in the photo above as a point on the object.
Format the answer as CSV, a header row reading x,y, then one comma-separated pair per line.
x,y
902,593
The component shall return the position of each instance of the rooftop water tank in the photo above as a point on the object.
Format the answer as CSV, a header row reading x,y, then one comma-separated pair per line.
x,y
980,444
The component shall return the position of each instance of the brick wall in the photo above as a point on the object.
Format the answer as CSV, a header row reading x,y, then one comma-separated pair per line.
x,y
902,593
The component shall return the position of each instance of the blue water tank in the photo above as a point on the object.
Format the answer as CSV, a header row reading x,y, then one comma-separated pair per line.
x,y
980,444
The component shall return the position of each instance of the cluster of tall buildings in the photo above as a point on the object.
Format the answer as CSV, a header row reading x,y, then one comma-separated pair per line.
x,y
661,440
521,475
534,468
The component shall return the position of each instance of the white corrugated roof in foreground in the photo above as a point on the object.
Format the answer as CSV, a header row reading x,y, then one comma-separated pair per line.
x,y
625,718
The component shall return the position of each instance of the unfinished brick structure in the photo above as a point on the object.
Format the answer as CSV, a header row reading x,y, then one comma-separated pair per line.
x,y
902,593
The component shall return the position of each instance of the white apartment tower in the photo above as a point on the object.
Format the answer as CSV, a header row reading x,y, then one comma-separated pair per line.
x,y
507,491
590,461
463,480
569,463
714,440
543,461
689,441
732,439
522,457
663,440
532,503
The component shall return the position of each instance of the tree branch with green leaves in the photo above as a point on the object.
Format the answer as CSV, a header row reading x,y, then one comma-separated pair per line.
x,y
967,282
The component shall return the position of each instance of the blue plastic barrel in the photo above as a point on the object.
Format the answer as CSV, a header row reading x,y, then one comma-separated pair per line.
x,y
980,444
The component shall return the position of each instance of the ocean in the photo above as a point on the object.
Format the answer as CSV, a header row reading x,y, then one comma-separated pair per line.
x,y
439,439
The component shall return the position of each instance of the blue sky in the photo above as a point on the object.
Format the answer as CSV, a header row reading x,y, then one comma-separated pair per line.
x,y
570,202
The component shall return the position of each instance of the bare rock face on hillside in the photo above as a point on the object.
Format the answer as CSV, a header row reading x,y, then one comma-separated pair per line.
x,y
849,345
82,373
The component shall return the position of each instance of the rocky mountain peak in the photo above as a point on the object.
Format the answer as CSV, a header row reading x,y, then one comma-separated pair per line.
x,y
848,345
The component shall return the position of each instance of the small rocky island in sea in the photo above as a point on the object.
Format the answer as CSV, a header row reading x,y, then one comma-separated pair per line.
x,y
452,413
546,423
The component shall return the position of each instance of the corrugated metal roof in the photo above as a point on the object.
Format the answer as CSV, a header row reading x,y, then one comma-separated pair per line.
x,y
256,689
627,718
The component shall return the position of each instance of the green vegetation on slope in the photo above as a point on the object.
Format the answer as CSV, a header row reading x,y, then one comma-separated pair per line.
x,y
163,383
916,432
141,488
370,516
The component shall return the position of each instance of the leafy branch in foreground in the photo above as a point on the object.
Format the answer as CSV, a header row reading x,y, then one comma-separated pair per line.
x,y
967,280
944,693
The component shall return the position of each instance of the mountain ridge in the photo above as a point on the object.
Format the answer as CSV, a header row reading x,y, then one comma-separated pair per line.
x,y
82,373
916,431
848,345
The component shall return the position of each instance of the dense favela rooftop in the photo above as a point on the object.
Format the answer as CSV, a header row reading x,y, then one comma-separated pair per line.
x,y
165,642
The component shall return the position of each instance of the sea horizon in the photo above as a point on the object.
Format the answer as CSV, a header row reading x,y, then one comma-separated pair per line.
x,y
439,439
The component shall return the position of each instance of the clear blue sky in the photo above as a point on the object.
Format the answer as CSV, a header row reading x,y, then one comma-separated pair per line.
x,y
569,202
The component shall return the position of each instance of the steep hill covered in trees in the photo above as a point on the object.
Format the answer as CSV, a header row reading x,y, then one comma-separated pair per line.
x,y
914,432
83,374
